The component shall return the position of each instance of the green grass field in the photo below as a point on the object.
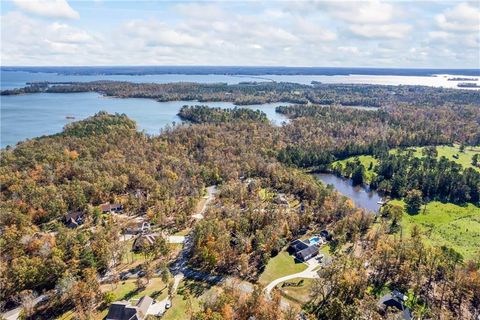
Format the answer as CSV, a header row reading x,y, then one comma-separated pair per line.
x,y
127,289
464,158
179,309
281,265
299,295
447,224
365,160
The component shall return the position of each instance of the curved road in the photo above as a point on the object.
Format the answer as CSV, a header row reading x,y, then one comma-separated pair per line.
x,y
310,272
180,268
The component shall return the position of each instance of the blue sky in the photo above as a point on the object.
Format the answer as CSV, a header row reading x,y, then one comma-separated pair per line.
x,y
440,34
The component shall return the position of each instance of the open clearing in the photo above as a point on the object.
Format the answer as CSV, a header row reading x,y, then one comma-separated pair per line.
x,y
457,227
365,160
464,158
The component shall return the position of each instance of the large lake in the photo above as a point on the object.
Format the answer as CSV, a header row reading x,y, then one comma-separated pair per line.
x,y
29,116
33,115
362,197
18,79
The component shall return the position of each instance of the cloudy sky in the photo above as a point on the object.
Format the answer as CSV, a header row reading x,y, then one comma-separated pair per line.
x,y
443,34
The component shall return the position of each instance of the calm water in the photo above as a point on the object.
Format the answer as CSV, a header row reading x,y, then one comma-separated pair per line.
x,y
362,197
18,79
33,115
29,116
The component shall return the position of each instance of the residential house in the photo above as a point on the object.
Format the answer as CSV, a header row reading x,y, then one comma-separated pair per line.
x,y
138,226
123,310
395,301
110,208
144,240
303,250
74,218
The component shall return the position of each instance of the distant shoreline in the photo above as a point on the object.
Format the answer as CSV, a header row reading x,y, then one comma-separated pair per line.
x,y
245,71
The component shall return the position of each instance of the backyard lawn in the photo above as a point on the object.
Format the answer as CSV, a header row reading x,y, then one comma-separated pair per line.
x,y
447,224
281,265
127,289
180,305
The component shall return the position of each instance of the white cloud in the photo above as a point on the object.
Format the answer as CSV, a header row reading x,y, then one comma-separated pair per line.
x,y
36,40
326,33
384,31
362,12
48,8
154,33
462,18
311,31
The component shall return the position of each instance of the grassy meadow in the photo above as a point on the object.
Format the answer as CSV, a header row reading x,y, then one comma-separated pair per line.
x,y
447,224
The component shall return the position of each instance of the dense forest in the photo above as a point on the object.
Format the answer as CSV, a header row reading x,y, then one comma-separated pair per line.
x,y
257,167
204,114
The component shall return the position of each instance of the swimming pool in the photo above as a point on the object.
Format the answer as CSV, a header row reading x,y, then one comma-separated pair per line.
x,y
314,240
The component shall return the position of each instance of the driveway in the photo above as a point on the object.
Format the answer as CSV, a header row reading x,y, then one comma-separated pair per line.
x,y
158,308
176,239
15,313
211,191
310,272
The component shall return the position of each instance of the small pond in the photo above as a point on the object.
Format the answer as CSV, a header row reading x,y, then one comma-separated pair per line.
x,y
360,195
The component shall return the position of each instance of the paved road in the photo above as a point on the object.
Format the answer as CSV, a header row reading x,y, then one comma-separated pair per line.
x,y
15,313
180,268
310,273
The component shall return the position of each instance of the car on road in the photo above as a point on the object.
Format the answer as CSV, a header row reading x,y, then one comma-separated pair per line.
x,y
168,304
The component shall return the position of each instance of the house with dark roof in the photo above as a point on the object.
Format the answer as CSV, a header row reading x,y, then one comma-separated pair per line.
x,y
74,218
144,240
123,310
303,250
110,208
395,301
